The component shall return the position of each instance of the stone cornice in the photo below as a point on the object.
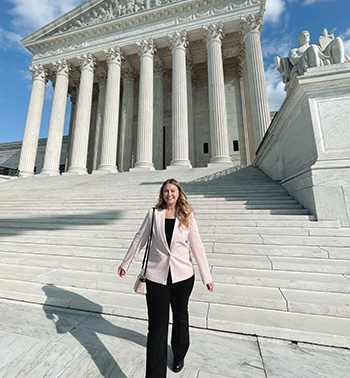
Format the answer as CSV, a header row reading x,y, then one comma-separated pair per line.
x,y
177,14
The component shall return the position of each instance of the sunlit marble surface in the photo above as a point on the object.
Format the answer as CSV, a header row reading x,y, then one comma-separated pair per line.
x,y
37,341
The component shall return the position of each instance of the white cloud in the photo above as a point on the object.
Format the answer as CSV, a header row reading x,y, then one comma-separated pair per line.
x,y
29,15
275,88
274,11
311,2
279,47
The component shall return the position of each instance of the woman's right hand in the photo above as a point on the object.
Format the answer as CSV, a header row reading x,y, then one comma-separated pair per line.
x,y
121,272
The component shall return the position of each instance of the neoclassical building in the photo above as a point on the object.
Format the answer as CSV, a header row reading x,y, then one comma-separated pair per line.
x,y
153,84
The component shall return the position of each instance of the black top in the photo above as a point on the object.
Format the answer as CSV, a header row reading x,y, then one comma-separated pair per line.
x,y
169,228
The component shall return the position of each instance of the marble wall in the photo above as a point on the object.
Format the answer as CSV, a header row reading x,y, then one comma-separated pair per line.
x,y
307,147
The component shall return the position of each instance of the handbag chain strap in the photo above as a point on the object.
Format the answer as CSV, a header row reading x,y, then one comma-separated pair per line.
x,y
146,256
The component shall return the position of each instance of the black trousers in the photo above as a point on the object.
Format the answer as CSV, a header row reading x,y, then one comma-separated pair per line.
x,y
158,299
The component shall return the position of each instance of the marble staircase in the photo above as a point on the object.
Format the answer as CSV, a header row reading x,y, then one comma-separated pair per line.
x,y
278,272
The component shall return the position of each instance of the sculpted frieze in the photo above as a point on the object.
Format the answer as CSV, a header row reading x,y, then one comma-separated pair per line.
x,y
217,10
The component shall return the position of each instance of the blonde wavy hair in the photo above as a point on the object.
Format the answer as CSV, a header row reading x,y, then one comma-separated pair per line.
x,y
183,208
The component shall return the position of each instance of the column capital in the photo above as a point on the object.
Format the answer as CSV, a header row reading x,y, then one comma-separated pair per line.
x,y
87,61
241,62
114,55
252,23
62,67
189,62
128,73
178,40
146,47
214,32
101,78
39,72
159,67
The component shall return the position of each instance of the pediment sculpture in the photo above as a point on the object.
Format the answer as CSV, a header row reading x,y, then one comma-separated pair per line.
x,y
329,50
110,10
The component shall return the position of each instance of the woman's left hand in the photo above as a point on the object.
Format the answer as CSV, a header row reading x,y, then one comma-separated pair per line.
x,y
210,286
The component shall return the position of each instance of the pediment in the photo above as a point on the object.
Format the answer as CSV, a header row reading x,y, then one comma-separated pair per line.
x,y
98,21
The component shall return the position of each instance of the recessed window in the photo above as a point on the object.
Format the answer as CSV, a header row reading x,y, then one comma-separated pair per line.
x,y
206,148
235,145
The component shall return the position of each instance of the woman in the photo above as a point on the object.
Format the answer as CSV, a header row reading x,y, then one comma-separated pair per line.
x,y
170,275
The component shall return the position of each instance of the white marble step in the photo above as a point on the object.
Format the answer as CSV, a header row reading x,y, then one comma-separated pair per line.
x,y
108,264
247,250
320,282
85,222
226,241
224,206
263,322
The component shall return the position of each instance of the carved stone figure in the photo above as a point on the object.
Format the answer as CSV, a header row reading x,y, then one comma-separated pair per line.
x,y
330,50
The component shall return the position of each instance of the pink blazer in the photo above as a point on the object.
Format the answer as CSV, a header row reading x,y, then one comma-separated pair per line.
x,y
161,257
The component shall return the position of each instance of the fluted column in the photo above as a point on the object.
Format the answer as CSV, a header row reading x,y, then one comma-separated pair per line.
x,y
145,116
32,128
126,120
191,131
102,83
217,100
249,153
58,112
83,113
180,151
261,119
158,143
111,113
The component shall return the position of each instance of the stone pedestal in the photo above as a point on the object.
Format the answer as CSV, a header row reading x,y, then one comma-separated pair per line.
x,y
32,128
307,147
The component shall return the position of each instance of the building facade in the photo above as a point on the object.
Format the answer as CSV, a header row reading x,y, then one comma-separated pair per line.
x,y
154,84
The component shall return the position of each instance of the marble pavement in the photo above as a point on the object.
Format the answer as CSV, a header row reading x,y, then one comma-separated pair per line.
x,y
43,341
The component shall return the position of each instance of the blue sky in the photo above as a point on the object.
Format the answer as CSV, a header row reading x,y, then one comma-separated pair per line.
x,y
283,21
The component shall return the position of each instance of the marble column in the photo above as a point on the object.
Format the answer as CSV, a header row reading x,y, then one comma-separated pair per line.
x,y
96,157
74,92
126,120
145,116
158,142
180,150
259,103
32,128
217,99
92,132
249,153
191,131
58,112
83,114
111,113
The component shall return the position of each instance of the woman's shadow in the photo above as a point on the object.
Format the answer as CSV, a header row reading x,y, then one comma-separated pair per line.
x,y
86,331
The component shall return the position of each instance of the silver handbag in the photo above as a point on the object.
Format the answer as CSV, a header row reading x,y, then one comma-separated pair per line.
x,y
140,283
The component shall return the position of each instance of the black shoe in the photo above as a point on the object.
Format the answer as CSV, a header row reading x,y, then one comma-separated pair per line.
x,y
178,367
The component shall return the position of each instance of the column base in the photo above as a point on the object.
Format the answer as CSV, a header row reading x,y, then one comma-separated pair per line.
x,y
142,166
220,160
107,168
76,171
49,172
178,167
179,163
25,174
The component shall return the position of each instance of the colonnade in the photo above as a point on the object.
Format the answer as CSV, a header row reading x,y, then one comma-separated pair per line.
x,y
108,145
